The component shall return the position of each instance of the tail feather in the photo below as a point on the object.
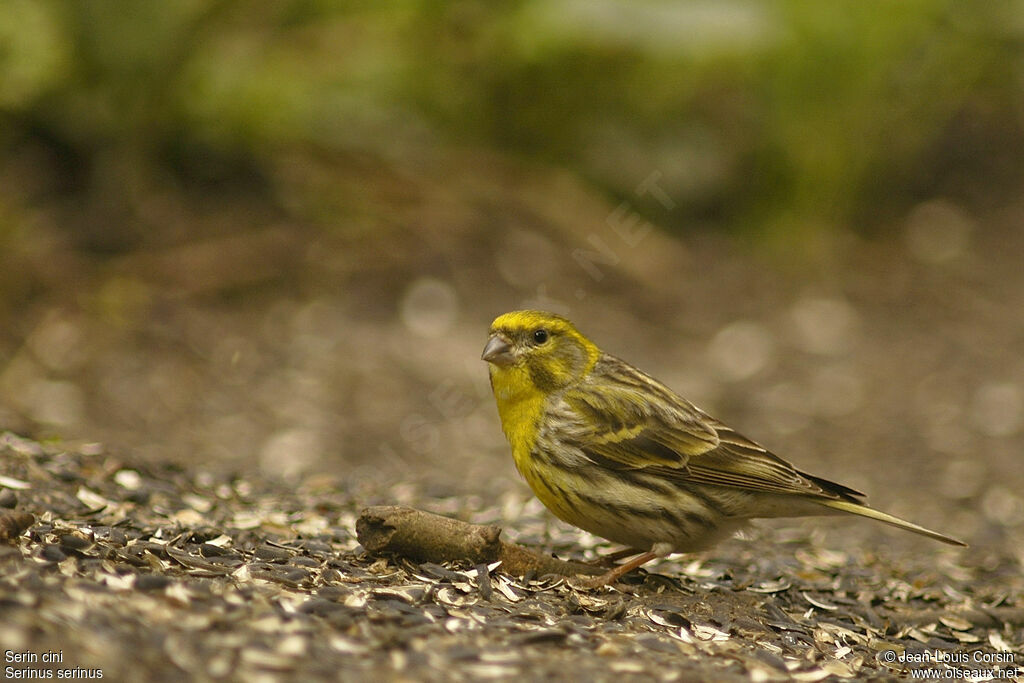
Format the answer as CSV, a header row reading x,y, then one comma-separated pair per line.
x,y
864,511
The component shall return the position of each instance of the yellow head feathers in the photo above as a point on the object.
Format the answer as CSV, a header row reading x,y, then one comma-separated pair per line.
x,y
546,346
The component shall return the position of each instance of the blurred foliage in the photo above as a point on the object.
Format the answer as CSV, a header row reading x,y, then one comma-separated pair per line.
x,y
785,117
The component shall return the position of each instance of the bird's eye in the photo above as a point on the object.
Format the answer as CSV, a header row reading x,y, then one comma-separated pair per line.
x,y
540,336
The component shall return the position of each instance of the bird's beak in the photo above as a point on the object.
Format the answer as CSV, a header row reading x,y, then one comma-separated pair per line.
x,y
498,351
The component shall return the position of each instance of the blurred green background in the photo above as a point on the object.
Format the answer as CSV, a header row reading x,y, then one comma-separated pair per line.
x,y
771,118
275,233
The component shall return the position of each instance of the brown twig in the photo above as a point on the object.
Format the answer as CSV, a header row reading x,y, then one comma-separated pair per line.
x,y
427,537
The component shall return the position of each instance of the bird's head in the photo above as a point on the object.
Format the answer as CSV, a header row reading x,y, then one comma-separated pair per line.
x,y
542,348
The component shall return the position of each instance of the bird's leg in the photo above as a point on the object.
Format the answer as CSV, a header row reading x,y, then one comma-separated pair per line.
x,y
616,573
604,560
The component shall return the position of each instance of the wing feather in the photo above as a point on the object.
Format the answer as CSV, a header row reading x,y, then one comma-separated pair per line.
x,y
623,419
628,420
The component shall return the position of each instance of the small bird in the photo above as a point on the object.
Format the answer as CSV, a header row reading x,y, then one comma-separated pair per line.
x,y
611,450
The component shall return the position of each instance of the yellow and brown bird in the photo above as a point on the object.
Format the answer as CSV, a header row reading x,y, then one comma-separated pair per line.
x,y
613,451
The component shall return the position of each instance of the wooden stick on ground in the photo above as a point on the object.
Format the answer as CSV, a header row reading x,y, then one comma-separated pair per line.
x,y
424,536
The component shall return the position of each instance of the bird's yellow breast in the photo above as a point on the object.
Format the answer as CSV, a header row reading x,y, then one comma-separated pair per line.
x,y
520,406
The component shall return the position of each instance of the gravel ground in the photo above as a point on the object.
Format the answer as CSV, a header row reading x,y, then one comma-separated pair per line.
x,y
158,571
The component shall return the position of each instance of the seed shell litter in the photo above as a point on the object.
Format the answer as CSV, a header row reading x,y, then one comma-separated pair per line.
x,y
141,569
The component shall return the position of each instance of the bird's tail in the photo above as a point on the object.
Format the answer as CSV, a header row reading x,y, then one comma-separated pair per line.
x,y
864,511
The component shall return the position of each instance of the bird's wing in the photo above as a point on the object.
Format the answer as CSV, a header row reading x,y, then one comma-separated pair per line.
x,y
624,419
742,463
